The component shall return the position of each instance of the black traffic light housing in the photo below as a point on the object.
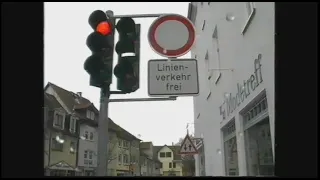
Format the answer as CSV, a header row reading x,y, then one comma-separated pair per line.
x,y
101,43
127,69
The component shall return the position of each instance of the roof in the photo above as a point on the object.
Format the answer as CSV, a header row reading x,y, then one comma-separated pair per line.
x,y
145,145
175,150
73,102
69,98
51,102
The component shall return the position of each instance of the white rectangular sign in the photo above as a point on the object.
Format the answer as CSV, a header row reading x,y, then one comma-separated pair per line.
x,y
175,77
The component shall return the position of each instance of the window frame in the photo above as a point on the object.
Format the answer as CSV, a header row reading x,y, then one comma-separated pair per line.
x,y
92,116
229,133
55,143
73,124
91,136
86,135
162,153
55,120
169,153
73,146
120,159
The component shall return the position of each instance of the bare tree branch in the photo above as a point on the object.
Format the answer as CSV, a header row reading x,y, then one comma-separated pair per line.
x,y
113,143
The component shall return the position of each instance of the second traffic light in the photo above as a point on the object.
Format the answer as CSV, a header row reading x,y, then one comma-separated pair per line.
x,y
128,50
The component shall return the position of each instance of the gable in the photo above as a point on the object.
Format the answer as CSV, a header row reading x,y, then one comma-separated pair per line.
x,y
48,89
165,149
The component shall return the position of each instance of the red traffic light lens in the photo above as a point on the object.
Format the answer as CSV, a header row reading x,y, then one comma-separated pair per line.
x,y
104,28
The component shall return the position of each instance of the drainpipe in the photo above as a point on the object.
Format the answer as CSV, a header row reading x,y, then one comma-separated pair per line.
x,y
49,154
46,119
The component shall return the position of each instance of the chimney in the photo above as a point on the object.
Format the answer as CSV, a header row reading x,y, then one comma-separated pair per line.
x,y
172,144
79,94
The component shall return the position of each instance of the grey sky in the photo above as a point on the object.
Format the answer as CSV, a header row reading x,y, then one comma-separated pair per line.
x,y
66,30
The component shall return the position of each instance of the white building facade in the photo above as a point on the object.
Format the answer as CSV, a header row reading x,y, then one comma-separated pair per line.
x,y
87,151
234,112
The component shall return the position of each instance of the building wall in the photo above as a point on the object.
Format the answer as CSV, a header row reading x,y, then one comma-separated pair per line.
x,y
236,51
65,155
85,145
166,160
46,150
123,167
134,157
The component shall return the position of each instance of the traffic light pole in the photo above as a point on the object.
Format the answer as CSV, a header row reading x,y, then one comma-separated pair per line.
x,y
103,122
103,140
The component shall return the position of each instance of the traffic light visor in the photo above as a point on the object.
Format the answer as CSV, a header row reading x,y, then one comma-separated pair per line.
x,y
104,28
96,17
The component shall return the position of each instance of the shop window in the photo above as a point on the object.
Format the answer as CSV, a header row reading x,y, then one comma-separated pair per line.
x,y
230,149
259,154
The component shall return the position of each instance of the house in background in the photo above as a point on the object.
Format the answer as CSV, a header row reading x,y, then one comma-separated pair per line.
x,y
127,153
83,119
150,166
123,156
170,159
88,141
60,139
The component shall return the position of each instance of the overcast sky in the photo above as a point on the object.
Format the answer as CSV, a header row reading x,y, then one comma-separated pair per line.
x,y
66,30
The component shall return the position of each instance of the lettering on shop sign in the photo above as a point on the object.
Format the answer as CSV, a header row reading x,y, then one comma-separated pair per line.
x,y
231,102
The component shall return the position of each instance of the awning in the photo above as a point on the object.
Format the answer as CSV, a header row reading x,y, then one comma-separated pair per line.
x,y
61,166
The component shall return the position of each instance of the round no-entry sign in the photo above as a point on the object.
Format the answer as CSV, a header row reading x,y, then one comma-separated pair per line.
x,y
171,35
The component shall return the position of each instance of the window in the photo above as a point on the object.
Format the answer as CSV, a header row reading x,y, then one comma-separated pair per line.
x,y
162,154
58,120
72,147
170,165
230,149
133,159
125,159
120,143
174,165
73,122
120,159
90,154
168,154
91,136
86,135
85,155
57,146
252,116
259,154
125,144
90,115
250,11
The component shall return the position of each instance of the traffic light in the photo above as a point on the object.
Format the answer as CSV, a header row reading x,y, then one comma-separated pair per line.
x,y
128,50
101,44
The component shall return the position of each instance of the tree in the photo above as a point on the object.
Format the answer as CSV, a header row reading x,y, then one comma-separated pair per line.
x,y
188,165
113,145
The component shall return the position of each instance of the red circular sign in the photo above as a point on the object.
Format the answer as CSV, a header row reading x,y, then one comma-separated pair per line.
x,y
171,52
